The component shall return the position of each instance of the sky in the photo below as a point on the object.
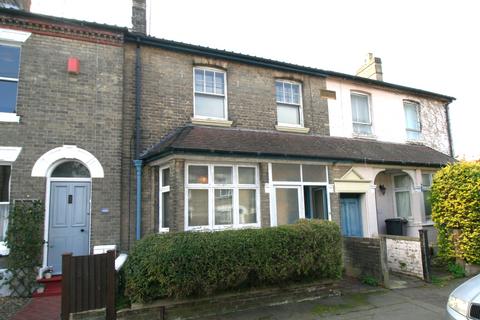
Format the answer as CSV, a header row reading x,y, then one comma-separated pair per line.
x,y
430,44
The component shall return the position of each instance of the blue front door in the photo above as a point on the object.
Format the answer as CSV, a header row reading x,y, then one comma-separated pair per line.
x,y
351,217
68,222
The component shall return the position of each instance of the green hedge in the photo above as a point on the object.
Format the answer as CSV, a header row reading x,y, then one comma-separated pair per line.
x,y
198,263
456,205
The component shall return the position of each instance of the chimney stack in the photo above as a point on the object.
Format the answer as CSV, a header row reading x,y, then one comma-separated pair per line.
x,y
16,4
139,16
372,68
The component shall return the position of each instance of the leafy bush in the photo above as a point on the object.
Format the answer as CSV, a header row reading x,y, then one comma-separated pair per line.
x,y
24,239
196,263
456,206
369,280
456,270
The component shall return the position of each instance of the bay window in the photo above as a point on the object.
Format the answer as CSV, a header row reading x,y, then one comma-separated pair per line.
x,y
427,179
164,196
5,171
402,186
299,192
221,196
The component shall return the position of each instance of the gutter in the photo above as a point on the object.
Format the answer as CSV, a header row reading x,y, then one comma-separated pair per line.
x,y
138,132
449,131
172,151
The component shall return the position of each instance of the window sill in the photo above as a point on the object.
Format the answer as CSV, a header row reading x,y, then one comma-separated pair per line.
x,y
4,251
212,122
292,129
364,136
223,227
164,230
9,117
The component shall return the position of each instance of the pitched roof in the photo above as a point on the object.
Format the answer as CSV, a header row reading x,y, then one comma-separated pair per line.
x,y
234,141
224,54
269,63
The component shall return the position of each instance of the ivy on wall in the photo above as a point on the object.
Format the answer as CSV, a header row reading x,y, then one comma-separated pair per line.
x,y
25,241
456,211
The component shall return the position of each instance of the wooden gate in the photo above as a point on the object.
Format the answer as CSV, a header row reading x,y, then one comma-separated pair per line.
x,y
89,282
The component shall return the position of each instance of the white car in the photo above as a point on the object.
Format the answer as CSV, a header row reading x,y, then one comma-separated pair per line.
x,y
464,301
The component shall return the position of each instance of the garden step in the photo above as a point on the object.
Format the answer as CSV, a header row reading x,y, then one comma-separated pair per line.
x,y
52,287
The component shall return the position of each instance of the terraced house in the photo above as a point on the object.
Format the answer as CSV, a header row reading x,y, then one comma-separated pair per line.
x,y
234,141
61,84
122,135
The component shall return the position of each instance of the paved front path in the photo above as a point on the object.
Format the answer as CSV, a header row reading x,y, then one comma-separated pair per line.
x,y
44,308
425,302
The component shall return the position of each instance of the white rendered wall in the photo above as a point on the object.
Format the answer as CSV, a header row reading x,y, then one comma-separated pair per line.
x,y
388,119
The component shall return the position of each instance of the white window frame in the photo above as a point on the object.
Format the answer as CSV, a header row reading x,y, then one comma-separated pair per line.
x,y
300,105
292,184
419,120
161,190
409,190
211,187
3,248
370,117
426,188
12,38
224,95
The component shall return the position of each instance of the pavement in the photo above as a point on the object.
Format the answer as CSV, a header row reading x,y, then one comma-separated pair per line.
x,y
417,300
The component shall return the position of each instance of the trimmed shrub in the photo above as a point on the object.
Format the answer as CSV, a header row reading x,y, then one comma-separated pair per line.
x,y
456,206
199,263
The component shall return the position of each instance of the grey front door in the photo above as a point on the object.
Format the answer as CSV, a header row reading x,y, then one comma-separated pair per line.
x,y
69,221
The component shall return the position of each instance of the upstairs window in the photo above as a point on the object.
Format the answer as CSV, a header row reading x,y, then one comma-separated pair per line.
x,y
361,118
9,70
289,103
210,94
412,120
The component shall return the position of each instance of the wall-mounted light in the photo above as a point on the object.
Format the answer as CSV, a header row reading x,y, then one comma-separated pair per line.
x,y
382,189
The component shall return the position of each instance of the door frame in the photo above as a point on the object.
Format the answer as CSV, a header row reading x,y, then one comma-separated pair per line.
x,y
47,206
301,206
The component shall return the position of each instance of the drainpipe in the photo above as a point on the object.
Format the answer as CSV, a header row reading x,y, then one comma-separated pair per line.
x,y
449,131
137,162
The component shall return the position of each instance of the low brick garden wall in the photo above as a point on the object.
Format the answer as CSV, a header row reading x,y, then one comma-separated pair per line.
x,y
361,257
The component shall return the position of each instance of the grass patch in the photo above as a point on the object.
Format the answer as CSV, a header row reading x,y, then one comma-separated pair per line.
x,y
439,281
370,281
348,302
456,270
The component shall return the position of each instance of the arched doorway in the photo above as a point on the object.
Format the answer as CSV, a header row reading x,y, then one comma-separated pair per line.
x,y
68,204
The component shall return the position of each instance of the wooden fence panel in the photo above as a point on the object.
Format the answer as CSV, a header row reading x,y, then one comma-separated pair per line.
x,y
89,282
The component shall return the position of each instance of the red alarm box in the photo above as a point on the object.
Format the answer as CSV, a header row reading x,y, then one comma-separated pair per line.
x,y
73,65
